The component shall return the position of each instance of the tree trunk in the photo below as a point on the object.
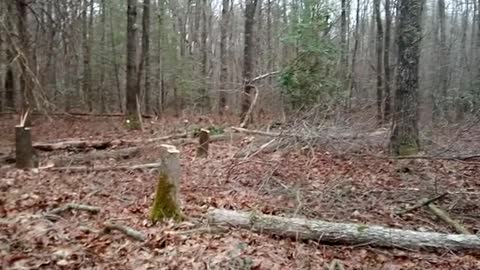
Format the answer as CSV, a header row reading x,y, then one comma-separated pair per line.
x,y
379,67
404,138
223,58
204,97
248,56
87,73
132,89
26,80
343,233
101,90
443,59
386,63
146,53
203,141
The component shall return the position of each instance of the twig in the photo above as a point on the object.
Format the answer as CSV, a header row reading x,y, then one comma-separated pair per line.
x,y
437,211
74,206
125,230
263,76
422,203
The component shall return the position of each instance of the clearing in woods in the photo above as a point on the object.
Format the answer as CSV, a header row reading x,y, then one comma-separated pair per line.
x,y
308,182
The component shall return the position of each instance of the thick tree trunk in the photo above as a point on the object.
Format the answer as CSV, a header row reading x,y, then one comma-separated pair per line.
x,y
248,57
87,73
132,89
343,233
404,138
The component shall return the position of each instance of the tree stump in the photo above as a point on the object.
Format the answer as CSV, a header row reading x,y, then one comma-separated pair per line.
x,y
167,204
203,140
24,155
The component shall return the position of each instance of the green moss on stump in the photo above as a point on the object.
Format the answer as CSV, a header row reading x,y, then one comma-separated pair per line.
x,y
165,205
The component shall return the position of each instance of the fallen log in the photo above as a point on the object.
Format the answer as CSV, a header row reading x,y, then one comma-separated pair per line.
x,y
72,145
88,157
102,168
74,206
343,233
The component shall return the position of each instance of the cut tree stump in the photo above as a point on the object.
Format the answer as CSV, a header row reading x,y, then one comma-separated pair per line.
x,y
203,140
343,233
24,156
166,204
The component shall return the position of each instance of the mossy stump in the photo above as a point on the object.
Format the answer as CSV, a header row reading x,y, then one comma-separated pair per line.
x,y
203,140
166,204
24,155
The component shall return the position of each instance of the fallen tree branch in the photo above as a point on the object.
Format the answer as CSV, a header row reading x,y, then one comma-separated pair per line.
x,y
248,115
437,211
103,168
80,144
342,233
422,203
259,132
74,206
125,230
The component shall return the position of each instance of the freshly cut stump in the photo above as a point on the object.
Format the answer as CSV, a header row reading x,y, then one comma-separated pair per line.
x,y
24,155
167,203
203,140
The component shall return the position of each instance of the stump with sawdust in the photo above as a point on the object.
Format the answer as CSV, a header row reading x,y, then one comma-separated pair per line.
x,y
166,204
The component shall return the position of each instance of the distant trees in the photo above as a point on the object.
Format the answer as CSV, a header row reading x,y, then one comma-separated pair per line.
x,y
404,136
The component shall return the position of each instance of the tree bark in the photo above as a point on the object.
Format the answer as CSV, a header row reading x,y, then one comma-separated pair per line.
x,y
203,141
248,56
222,102
343,233
146,53
379,67
386,63
132,89
86,39
404,138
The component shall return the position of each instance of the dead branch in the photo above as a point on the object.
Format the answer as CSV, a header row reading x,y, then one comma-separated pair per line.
x,y
248,115
258,132
72,145
263,76
74,206
343,233
422,203
437,211
103,168
136,235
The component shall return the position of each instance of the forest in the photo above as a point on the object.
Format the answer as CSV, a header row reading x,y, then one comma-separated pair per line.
x,y
239,134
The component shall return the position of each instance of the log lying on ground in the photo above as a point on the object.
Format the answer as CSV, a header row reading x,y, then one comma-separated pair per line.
x,y
103,168
125,230
72,145
88,157
343,233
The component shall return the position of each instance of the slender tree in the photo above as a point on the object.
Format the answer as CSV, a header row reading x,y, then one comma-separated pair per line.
x,y
386,62
404,138
223,58
379,54
132,89
146,53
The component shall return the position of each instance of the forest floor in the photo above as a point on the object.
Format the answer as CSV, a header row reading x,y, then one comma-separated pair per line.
x,y
319,184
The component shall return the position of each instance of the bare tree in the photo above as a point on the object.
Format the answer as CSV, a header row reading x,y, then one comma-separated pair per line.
x,y
386,62
404,138
379,54
248,56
